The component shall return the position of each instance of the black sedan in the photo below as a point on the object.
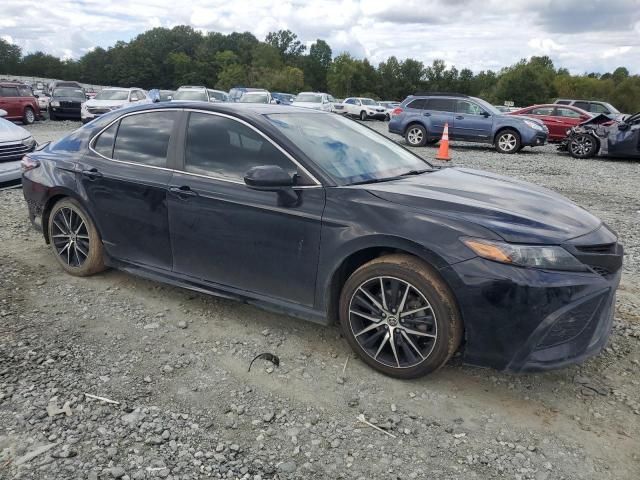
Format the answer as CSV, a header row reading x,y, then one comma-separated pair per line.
x,y
317,216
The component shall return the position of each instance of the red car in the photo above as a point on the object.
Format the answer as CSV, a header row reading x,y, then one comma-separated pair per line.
x,y
557,118
18,101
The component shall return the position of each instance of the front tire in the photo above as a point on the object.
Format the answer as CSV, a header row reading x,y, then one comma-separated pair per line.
x,y
363,115
582,146
29,116
74,239
52,116
399,316
416,135
508,141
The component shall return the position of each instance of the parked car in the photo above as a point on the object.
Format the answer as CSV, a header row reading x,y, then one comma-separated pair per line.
x,y
283,98
91,93
161,95
192,94
236,92
389,107
257,96
505,109
316,100
421,119
15,142
363,108
109,99
312,214
63,83
18,101
337,106
601,135
218,96
43,99
593,106
557,118
66,103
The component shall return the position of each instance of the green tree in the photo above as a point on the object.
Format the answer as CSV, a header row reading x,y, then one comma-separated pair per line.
x,y
10,55
287,44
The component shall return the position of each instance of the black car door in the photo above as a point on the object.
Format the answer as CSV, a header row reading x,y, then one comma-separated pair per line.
x,y
225,233
125,179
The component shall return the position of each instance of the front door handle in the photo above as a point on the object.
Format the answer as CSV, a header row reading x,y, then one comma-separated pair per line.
x,y
426,114
459,117
183,191
91,174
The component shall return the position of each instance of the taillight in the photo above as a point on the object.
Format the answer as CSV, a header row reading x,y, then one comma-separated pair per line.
x,y
396,111
28,163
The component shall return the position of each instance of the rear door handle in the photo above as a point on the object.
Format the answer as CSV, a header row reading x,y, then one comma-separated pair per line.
x,y
459,117
183,191
92,173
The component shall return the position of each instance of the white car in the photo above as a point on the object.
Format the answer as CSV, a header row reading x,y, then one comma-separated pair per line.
x,y
195,94
15,142
257,96
363,108
315,100
112,98
389,107
42,98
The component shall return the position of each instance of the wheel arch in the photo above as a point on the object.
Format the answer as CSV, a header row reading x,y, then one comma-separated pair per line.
x,y
355,257
503,128
412,123
55,196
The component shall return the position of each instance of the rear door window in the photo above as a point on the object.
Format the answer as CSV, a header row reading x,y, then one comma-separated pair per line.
x,y
8,91
144,138
440,105
418,104
567,112
548,111
582,105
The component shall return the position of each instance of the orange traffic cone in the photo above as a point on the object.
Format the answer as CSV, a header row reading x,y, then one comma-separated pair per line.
x,y
443,151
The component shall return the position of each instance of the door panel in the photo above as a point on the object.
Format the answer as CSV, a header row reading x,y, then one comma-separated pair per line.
x,y
226,233
438,112
469,124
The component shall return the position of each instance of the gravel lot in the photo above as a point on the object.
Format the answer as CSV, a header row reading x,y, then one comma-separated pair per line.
x,y
176,363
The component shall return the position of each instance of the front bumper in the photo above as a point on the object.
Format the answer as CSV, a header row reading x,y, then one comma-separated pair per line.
x,y
10,173
377,115
534,139
66,112
525,319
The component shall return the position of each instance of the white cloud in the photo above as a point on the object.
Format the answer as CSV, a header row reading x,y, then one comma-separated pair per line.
x,y
476,35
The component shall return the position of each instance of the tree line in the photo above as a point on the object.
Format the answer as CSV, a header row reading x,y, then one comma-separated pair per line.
x,y
168,58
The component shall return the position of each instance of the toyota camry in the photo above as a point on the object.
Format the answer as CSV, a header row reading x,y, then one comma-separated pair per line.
x,y
317,216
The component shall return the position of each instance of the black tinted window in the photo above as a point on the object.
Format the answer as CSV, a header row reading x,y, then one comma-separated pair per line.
x,y
104,143
8,91
144,138
440,105
418,104
223,147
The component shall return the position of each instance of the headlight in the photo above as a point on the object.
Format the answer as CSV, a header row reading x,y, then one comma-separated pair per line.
x,y
534,125
29,142
55,103
537,256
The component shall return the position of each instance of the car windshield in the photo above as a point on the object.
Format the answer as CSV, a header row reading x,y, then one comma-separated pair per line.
x,y
193,95
254,98
69,92
367,101
112,95
487,106
309,98
345,149
218,95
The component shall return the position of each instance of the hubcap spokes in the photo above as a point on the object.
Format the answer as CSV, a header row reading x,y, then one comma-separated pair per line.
x,y
581,145
507,142
393,322
70,237
415,136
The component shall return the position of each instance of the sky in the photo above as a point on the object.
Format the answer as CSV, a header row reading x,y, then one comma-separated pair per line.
x,y
580,35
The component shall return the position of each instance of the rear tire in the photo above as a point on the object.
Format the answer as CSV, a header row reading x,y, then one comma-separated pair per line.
x,y
29,116
416,135
582,146
412,330
52,116
74,239
508,141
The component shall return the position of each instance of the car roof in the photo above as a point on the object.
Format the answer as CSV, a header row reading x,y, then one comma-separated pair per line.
x,y
240,110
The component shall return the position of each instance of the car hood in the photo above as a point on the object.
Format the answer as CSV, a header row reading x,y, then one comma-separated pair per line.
x,y
68,99
105,103
316,106
518,211
10,132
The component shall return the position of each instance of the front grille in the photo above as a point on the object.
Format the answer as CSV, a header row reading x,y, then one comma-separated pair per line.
x,y
605,248
70,105
13,151
98,111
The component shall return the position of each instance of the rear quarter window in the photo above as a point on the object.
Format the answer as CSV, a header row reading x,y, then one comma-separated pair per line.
x,y
418,104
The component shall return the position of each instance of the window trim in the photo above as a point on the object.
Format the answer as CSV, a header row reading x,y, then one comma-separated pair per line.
x,y
182,132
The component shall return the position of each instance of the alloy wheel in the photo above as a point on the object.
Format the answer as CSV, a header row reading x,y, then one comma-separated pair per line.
x,y
507,142
70,237
581,145
393,322
30,116
414,136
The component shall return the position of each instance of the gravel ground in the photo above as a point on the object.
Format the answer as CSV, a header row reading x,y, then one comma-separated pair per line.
x,y
176,363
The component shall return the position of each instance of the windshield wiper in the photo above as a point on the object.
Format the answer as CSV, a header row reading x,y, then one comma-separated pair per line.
x,y
375,180
416,172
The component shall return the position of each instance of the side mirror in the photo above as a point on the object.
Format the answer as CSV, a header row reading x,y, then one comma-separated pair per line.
x,y
3,113
273,178
37,96
485,114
